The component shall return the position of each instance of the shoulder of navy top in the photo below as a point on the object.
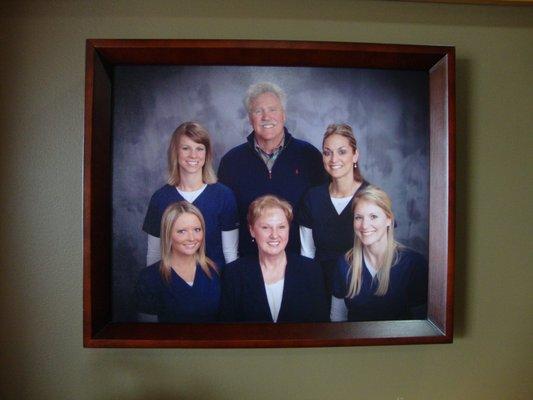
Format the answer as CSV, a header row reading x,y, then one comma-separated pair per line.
x,y
406,252
164,191
237,150
316,191
240,263
151,273
294,258
221,188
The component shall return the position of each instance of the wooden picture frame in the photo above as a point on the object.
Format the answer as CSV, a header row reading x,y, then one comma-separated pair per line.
x,y
102,56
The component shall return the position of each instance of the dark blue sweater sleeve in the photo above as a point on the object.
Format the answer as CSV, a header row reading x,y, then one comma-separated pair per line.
x,y
304,212
229,217
224,175
152,220
319,175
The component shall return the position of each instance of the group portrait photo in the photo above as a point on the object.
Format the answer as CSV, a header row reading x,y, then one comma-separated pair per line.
x,y
339,155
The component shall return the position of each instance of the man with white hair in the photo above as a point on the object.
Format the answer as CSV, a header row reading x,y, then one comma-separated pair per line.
x,y
272,161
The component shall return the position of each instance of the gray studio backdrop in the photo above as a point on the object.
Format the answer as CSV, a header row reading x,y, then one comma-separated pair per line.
x,y
388,111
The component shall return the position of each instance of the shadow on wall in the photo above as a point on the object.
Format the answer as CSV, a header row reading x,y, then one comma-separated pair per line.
x,y
462,190
145,375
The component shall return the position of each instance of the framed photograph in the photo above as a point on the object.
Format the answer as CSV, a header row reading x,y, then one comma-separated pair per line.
x,y
399,100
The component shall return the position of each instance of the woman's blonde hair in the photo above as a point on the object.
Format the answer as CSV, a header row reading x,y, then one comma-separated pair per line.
x,y
354,256
171,214
267,202
345,131
198,134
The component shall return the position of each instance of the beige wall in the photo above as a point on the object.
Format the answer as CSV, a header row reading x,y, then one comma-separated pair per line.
x,y
41,131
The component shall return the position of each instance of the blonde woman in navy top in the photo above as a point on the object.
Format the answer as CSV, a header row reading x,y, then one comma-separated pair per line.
x,y
326,217
184,286
192,178
378,279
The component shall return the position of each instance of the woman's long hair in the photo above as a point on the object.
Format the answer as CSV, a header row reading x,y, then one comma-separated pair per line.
x,y
345,131
354,256
171,214
198,134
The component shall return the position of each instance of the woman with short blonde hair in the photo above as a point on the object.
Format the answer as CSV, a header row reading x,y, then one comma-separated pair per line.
x,y
274,286
259,205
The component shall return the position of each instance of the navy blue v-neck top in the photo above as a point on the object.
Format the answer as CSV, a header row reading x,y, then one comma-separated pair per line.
x,y
177,301
406,297
333,233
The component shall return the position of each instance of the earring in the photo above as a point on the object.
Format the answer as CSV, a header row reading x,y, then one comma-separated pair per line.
x,y
253,240
354,165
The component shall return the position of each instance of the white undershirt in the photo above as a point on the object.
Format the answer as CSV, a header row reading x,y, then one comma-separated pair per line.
x,y
191,196
308,248
153,250
370,268
340,203
274,292
230,239
339,311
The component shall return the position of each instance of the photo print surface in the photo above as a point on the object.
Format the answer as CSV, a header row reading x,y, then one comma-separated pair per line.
x,y
387,109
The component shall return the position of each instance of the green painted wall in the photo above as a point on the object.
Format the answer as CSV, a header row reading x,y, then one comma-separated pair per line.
x,y
41,152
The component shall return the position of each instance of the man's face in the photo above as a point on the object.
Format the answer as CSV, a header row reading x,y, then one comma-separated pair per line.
x,y
268,119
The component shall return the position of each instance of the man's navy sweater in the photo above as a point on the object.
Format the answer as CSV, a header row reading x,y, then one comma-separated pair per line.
x,y
297,168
